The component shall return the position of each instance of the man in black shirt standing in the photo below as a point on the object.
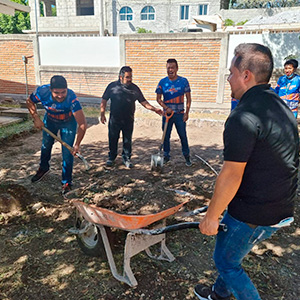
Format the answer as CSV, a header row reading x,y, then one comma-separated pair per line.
x,y
122,93
258,180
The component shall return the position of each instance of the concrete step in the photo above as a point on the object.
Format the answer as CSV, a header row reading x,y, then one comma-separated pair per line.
x,y
15,112
18,112
4,121
23,105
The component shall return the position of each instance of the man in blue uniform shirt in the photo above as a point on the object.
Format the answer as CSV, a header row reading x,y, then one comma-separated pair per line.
x,y
64,114
173,88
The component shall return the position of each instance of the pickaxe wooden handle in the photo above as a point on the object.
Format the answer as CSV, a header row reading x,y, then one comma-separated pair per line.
x,y
87,166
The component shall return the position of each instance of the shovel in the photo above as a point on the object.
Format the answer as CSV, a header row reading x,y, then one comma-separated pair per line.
x,y
157,160
86,165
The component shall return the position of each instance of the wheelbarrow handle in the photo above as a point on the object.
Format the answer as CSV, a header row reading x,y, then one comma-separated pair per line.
x,y
175,227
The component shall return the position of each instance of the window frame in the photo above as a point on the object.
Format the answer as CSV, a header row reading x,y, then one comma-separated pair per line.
x,y
80,7
148,14
126,14
184,10
203,5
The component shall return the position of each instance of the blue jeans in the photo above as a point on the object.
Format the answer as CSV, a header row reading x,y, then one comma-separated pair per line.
x,y
231,247
67,133
177,119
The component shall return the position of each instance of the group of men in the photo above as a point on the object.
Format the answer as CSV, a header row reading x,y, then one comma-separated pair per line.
x,y
122,95
257,185
64,113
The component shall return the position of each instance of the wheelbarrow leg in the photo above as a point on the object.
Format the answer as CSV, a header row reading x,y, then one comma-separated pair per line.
x,y
165,253
130,281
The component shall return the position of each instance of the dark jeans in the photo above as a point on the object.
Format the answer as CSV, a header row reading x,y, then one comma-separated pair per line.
x,y
177,119
67,133
114,129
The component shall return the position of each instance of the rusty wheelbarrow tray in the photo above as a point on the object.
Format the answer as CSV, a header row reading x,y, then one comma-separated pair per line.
x,y
93,221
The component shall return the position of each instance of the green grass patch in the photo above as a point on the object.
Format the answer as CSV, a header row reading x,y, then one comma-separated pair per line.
x,y
13,129
91,111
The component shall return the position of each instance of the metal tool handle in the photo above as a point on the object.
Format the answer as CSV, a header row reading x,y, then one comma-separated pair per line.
x,y
175,227
168,117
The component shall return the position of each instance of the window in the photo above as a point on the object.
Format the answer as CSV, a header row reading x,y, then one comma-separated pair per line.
x,y
126,13
184,12
84,7
203,9
48,9
147,13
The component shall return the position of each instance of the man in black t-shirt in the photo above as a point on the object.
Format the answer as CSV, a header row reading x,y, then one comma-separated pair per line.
x,y
258,180
122,93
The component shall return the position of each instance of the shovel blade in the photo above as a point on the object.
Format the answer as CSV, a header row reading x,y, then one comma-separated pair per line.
x,y
157,162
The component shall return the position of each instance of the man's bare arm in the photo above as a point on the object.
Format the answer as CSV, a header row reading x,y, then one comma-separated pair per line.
x,y
82,125
102,111
162,104
147,105
38,123
188,106
227,185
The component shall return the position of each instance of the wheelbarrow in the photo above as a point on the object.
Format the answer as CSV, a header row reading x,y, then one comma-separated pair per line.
x,y
157,160
93,222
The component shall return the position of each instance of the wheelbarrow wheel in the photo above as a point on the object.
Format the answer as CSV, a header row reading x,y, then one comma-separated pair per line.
x,y
90,242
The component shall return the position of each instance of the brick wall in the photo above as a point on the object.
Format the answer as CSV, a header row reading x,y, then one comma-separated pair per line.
x,y
12,75
84,83
198,61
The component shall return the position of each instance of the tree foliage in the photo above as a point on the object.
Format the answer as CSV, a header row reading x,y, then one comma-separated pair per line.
x,y
143,30
244,4
15,24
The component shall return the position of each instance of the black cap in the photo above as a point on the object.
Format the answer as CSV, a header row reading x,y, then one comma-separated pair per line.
x,y
58,82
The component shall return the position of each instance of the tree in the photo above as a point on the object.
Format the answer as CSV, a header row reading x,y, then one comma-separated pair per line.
x,y
15,24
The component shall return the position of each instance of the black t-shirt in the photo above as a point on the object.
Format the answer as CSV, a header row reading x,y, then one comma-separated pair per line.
x,y
123,99
262,131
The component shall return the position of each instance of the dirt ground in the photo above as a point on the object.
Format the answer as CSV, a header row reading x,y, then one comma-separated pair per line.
x,y
41,260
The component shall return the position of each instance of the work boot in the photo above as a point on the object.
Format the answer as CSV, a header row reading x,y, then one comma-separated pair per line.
x,y
109,162
39,175
188,162
128,163
66,188
166,159
207,293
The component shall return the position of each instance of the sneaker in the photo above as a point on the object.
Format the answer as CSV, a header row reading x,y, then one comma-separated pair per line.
x,y
188,162
166,159
109,163
206,293
128,163
39,175
66,188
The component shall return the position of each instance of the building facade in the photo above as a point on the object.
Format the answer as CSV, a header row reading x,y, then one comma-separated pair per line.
x,y
113,17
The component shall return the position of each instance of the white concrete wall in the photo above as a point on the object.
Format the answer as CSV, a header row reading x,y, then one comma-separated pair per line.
x,y
280,44
105,51
237,39
80,51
